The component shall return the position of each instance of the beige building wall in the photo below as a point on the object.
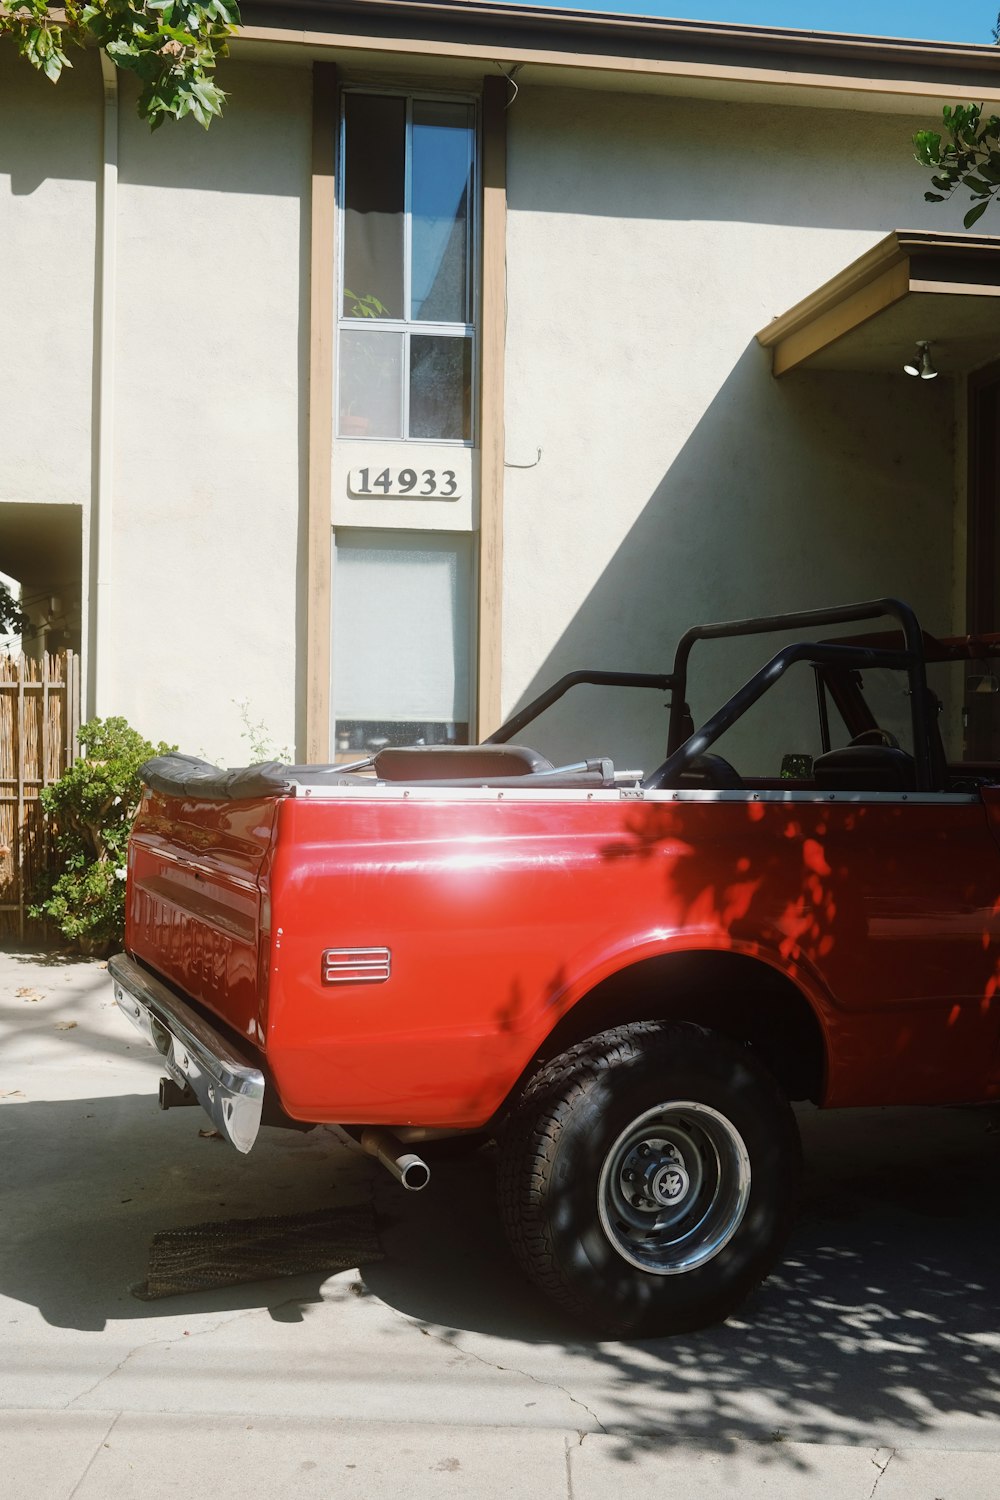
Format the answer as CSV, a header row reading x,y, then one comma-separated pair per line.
x,y
50,147
206,409
211,382
648,240
49,160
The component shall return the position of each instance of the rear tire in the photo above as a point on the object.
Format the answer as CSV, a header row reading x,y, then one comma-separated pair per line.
x,y
647,1177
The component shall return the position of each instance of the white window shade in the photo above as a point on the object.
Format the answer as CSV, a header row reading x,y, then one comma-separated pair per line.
x,y
401,626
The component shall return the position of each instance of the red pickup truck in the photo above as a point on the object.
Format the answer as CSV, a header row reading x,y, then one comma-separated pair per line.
x,y
622,977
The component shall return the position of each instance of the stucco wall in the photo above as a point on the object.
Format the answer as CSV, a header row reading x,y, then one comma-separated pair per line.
x,y
208,402
50,144
648,241
212,313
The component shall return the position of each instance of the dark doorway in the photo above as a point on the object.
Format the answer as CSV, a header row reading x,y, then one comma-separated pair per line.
x,y
982,688
41,547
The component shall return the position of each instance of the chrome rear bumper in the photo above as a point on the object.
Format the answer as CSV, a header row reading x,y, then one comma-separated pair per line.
x,y
226,1084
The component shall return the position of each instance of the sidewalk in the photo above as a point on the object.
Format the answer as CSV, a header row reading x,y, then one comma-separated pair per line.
x,y
125,1456
866,1366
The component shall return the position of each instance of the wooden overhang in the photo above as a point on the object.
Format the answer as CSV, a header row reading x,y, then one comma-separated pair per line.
x,y
914,284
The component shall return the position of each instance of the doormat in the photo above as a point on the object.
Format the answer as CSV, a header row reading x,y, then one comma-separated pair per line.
x,y
205,1256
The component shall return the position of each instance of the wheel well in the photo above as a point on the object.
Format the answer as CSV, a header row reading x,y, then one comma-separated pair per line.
x,y
728,992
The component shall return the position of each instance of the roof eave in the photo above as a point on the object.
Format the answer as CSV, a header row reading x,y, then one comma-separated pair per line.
x,y
585,39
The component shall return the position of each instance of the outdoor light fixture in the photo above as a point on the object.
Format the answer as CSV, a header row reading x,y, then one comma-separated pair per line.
x,y
921,365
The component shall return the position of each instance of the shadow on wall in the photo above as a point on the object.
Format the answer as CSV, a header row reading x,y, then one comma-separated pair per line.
x,y
54,133
818,489
49,133
582,153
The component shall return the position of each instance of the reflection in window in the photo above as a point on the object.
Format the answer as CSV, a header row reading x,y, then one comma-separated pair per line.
x,y
408,185
370,387
442,176
440,387
374,206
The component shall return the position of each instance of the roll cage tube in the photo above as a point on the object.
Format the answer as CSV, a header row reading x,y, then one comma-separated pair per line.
x,y
681,751
552,695
756,686
822,708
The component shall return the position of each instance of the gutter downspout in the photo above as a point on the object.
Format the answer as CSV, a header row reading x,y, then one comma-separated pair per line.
x,y
102,501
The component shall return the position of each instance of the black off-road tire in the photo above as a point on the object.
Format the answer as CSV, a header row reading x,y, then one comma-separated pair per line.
x,y
706,1122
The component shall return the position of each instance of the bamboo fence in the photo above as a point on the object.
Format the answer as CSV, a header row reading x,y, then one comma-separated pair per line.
x,y
39,720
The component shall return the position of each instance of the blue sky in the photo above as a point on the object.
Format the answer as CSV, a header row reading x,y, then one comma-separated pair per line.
x,y
966,23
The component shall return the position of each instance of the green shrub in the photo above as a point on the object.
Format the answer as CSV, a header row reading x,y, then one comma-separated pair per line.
x,y
92,807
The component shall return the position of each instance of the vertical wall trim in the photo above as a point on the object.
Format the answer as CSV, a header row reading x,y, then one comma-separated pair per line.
x,y
983,498
99,637
960,507
322,279
491,424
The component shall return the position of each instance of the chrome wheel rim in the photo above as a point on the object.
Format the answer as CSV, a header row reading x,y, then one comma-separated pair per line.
x,y
674,1187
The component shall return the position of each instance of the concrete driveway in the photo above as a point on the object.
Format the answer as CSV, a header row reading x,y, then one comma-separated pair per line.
x,y
868,1364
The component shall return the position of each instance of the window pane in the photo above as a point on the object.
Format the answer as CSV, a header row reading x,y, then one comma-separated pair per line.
x,y
401,635
371,383
374,206
441,189
440,387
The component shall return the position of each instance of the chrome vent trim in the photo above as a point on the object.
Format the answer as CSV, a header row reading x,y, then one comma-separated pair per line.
x,y
356,965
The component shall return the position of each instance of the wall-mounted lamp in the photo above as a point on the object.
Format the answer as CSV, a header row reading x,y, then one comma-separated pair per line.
x,y
921,365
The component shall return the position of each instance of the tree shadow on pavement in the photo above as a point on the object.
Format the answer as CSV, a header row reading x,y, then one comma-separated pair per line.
x,y
50,958
883,1316
882,1322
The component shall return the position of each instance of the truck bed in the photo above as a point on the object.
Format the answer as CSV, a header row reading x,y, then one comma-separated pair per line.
x,y
398,954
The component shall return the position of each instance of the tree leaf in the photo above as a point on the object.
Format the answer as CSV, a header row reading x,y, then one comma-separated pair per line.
x,y
976,212
172,46
927,144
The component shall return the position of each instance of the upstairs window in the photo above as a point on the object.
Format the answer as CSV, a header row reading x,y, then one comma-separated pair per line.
x,y
406,324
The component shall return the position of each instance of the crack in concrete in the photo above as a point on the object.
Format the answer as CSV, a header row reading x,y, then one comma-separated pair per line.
x,y
880,1467
94,1456
573,1440
490,1364
109,1373
152,1344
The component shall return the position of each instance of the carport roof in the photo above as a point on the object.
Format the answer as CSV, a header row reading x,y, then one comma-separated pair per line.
x,y
914,284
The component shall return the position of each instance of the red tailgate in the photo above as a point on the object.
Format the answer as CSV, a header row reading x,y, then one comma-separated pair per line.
x,y
195,900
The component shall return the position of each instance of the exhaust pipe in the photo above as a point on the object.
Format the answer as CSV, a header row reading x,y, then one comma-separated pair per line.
x,y
411,1170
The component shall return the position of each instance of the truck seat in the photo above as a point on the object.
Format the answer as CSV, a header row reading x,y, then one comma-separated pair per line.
x,y
865,768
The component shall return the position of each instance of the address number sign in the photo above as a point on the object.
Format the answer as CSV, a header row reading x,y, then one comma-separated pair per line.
x,y
418,484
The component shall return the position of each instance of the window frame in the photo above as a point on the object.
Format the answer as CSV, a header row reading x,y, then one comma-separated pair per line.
x,y
408,327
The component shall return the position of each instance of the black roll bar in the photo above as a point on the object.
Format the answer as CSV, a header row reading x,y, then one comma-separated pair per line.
x,y
756,686
681,751
823,710
551,695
